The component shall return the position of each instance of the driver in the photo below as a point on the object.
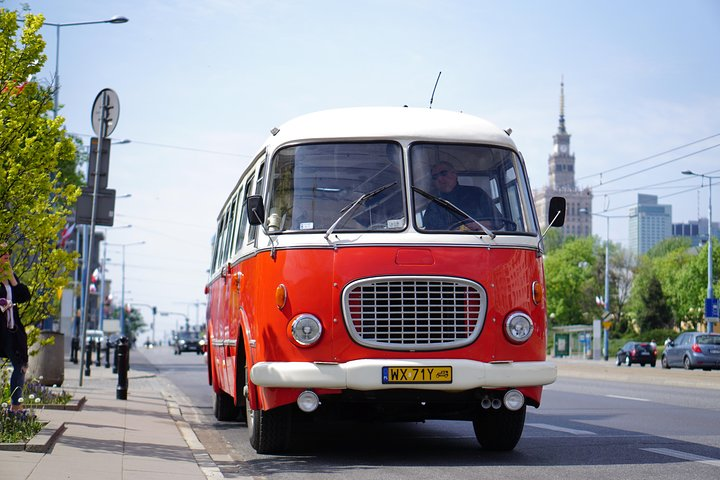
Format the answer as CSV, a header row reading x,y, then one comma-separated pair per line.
x,y
472,200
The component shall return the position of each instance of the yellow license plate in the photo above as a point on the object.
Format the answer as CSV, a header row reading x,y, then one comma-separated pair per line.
x,y
416,375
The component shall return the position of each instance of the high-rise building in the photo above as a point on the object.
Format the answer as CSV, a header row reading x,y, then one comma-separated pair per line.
x,y
696,230
650,223
561,178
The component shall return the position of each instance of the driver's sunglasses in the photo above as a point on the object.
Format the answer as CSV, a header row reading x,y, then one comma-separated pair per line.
x,y
441,173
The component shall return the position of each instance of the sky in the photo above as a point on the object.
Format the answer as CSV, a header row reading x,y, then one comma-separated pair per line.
x,y
201,84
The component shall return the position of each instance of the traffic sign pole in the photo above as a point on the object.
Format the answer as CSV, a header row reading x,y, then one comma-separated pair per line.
x,y
104,115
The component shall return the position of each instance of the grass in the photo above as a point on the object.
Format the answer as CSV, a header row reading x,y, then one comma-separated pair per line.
x,y
21,426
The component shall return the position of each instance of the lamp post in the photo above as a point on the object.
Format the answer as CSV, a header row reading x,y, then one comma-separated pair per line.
x,y
606,300
58,26
122,295
709,301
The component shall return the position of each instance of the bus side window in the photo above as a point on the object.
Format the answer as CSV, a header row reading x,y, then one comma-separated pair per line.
x,y
243,222
258,191
216,246
232,228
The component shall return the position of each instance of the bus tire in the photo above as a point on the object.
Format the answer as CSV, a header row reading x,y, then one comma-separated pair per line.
x,y
269,430
499,430
224,407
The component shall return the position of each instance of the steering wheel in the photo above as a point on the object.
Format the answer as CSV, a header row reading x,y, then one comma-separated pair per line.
x,y
490,222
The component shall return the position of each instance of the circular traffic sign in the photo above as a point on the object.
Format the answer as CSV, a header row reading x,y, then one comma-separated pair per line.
x,y
105,112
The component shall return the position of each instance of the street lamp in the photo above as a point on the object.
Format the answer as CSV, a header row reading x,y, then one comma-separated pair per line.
x,y
710,300
606,301
122,295
58,26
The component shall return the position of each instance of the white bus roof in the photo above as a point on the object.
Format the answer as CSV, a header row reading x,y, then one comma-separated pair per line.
x,y
368,123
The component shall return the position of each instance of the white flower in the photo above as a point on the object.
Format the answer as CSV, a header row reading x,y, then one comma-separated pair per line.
x,y
4,405
32,396
40,377
21,399
37,400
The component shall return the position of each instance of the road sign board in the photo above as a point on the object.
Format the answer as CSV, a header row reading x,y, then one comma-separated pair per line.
x,y
104,163
105,112
711,308
104,207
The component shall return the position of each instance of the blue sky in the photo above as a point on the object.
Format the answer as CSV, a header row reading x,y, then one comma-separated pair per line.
x,y
201,83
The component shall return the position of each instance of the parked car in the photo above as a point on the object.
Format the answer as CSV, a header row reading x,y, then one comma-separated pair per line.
x,y
693,350
187,341
97,336
637,352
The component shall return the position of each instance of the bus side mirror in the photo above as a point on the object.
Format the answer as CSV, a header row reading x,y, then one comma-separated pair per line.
x,y
255,210
556,212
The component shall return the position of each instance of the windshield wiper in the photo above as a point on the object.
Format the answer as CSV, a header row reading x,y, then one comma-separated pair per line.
x,y
451,206
346,211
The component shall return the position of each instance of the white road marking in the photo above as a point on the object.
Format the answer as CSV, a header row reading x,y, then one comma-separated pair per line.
x,y
571,431
684,456
621,397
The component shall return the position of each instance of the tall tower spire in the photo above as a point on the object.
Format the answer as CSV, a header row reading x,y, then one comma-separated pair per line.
x,y
561,127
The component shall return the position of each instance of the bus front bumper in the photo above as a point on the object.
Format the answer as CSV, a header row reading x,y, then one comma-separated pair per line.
x,y
365,375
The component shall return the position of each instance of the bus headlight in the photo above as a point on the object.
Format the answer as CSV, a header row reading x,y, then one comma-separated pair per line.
x,y
305,329
518,327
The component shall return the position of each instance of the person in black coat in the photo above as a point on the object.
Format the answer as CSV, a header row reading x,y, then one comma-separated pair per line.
x,y
13,339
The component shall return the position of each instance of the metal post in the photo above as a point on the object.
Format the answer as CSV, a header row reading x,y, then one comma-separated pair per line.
x,y
710,294
606,341
101,137
88,360
122,295
123,364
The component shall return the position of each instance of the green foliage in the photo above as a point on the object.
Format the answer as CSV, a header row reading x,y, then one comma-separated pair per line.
x,y
654,311
35,152
571,275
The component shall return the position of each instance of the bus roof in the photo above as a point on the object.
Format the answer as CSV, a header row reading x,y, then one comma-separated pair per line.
x,y
371,123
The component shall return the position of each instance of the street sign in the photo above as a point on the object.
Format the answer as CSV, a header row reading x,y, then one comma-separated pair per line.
x,y
711,308
104,211
105,112
104,166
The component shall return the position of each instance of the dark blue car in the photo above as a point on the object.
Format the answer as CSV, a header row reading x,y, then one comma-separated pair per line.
x,y
693,350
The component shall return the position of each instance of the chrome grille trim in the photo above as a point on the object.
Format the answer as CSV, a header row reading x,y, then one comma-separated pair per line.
x,y
414,313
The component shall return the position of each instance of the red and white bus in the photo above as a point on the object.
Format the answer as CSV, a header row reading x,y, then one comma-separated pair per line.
x,y
348,279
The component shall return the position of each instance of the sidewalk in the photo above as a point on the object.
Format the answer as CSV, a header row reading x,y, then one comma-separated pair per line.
x,y
143,437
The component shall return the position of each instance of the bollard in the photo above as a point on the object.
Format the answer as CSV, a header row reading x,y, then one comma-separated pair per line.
x,y
123,360
74,349
107,353
98,360
115,355
88,356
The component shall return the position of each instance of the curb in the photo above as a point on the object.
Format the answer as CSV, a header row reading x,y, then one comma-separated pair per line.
x,y
45,439
70,406
41,442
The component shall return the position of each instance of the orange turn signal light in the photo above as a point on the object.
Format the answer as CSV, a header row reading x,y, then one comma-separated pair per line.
x,y
537,292
280,296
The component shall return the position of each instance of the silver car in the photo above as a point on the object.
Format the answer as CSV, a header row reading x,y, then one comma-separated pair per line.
x,y
693,350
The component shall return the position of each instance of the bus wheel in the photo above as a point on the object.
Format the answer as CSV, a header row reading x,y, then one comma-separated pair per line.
x,y
269,430
224,407
499,430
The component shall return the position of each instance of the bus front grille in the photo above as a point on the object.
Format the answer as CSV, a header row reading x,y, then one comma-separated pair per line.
x,y
414,313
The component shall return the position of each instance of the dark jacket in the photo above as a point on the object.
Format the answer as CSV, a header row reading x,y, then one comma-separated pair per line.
x,y
13,344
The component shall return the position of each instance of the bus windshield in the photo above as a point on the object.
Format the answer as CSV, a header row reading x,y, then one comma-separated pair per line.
x,y
360,187
313,186
471,188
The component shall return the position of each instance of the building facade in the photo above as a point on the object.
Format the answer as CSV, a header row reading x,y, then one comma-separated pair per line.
x,y
696,231
650,223
561,182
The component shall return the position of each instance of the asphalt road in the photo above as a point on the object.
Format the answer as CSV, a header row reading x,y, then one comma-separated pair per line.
x,y
597,421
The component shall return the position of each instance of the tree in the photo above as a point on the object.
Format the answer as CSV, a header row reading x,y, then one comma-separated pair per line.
x,y
36,195
654,312
571,276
